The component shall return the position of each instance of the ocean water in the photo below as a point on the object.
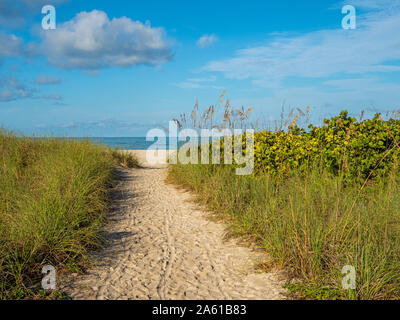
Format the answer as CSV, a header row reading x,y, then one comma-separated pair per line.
x,y
134,143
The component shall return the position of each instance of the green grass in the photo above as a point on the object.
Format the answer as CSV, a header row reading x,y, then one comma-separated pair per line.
x,y
53,196
312,226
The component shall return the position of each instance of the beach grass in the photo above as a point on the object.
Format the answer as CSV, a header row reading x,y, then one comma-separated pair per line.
x,y
311,225
53,197
316,224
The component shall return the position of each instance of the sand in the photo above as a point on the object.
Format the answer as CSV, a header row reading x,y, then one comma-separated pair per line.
x,y
161,245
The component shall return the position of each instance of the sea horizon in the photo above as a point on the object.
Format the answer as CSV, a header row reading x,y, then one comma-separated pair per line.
x,y
130,143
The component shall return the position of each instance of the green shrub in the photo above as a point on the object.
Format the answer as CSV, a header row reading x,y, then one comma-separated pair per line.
x,y
318,200
312,226
342,145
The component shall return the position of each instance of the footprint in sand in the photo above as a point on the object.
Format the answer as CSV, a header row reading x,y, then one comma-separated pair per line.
x,y
160,245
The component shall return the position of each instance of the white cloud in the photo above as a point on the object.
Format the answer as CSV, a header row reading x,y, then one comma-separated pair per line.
x,y
12,89
372,47
351,84
371,4
92,41
51,96
207,40
189,85
47,79
107,123
196,83
327,100
6,95
10,45
208,79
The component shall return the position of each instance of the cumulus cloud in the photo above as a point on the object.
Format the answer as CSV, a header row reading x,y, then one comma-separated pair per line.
x,y
12,89
91,41
10,45
326,53
207,40
47,79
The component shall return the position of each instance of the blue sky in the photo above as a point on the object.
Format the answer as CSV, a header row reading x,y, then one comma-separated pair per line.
x,y
120,68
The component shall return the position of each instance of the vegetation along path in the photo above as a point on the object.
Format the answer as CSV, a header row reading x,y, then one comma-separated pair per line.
x,y
159,245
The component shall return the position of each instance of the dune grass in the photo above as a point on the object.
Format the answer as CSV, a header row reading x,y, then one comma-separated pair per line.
x,y
53,196
316,220
312,226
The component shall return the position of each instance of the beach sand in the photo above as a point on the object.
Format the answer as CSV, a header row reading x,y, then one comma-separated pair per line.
x,y
163,155
161,245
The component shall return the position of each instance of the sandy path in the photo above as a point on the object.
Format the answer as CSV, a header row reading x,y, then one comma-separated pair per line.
x,y
161,246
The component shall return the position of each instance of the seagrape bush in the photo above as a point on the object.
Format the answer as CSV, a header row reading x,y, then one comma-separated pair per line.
x,y
343,145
